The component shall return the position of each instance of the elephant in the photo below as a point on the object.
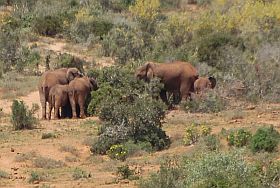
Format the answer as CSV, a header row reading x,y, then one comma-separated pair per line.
x,y
51,78
178,77
204,83
58,97
79,90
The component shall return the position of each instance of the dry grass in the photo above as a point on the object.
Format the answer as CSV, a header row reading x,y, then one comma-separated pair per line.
x,y
13,87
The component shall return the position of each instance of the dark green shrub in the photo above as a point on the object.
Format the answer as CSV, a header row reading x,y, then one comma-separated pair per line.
x,y
211,142
126,173
265,139
239,138
124,43
48,25
3,174
22,117
66,61
129,111
81,30
211,44
223,170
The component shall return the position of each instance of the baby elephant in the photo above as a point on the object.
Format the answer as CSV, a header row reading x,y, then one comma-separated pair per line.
x,y
58,97
203,83
79,89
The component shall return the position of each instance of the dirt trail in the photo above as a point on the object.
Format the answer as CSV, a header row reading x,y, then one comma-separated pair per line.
x,y
60,46
31,98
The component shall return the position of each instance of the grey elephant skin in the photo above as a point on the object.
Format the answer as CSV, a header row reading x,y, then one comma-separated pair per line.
x,y
178,77
51,78
79,89
58,98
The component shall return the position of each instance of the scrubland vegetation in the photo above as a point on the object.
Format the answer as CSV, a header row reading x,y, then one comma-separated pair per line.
x,y
236,41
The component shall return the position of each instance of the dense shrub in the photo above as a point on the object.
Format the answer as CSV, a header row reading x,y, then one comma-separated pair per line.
x,y
66,60
239,138
124,43
89,23
210,102
128,112
223,170
211,142
265,139
116,5
22,117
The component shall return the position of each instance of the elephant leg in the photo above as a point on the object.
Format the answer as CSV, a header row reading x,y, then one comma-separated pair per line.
x,y
73,106
81,103
43,104
163,96
56,111
50,111
185,91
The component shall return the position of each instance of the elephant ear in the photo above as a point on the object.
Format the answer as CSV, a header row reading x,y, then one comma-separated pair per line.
x,y
93,84
72,73
149,70
213,82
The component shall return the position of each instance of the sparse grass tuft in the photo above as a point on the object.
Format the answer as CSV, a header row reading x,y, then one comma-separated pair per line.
x,y
48,135
48,163
3,174
26,156
70,149
37,177
80,173
12,84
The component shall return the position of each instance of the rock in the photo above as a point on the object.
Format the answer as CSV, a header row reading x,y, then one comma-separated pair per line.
x,y
12,150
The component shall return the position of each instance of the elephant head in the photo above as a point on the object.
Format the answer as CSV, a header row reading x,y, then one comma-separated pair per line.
x,y
145,72
73,73
93,84
212,82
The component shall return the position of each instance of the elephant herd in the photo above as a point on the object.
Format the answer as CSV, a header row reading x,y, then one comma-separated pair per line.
x,y
67,88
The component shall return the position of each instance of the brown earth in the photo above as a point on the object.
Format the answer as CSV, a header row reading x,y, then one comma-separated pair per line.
x,y
76,133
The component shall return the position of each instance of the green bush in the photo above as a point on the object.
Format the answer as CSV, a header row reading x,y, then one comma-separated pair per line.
x,y
265,139
239,138
211,102
169,175
128,110
36,177
137,148
124,43
124,172
211,142
193,132
22,117
66,61
83,29
118,152
3,174
48,25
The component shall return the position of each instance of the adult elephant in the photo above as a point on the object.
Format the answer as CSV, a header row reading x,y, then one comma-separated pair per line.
x,y
204,83
79,89
51,78
178,77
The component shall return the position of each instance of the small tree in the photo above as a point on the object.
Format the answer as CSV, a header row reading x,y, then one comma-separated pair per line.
x,y
22,117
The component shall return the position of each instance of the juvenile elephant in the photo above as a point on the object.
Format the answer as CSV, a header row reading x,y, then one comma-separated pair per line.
x,y
58,98
203,83
178,77
51,78
79,89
